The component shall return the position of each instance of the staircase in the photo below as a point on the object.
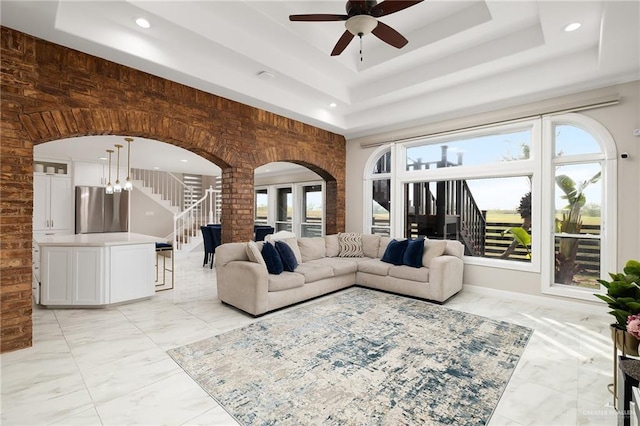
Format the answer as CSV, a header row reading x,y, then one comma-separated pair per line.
x,y
184,198
449,212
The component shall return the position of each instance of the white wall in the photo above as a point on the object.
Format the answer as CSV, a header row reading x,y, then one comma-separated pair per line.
x,y
148,217
620,120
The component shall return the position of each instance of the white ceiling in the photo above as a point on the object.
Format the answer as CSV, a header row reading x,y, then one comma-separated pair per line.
x,y
462,56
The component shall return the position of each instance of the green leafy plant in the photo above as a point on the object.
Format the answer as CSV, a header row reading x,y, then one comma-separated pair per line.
x,y
571,223
623,293
521,237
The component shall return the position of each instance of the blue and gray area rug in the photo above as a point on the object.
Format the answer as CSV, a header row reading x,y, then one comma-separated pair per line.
x,y
361,357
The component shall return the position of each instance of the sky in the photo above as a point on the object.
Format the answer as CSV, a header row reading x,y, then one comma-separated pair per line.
x,y
505,193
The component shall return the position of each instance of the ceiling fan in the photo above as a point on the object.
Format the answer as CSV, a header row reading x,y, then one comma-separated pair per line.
x,y
361,19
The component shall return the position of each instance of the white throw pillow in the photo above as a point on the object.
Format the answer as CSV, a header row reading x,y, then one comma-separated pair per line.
x,y
254,254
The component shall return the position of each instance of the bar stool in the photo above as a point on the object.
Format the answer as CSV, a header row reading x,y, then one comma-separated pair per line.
x,y
162,250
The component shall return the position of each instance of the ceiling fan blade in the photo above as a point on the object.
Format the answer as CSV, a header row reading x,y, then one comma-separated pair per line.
x,y
342,43
391,6
389,35
318,17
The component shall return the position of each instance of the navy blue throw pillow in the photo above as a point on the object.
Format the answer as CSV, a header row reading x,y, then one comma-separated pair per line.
x,y
289,261
395,252
413,254
272,259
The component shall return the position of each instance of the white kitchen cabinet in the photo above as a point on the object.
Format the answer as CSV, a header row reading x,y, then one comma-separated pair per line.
x,y
132,272
89,174
52,203
72,276
96,174
91,270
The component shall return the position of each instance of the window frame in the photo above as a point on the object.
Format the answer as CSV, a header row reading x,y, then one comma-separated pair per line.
x,y
607,158
527,167
540,166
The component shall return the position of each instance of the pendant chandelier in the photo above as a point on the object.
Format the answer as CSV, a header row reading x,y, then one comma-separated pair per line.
x,y
117,187
109,188
128,186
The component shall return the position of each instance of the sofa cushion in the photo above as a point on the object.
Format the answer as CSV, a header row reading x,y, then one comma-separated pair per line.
x,y
272,259
293,244
432,249
374,266
285,281
332,245
289,261
280,235
350,244
314,272
413,254
340,266
395,252
311,248
370,244
254,254
384,242
408,273
454,248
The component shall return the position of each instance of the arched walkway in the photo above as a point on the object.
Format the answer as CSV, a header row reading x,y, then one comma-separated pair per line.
x,y
50,92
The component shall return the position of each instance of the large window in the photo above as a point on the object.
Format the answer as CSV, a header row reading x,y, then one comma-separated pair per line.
x,y
261,206
378,212
534,195
581,239
296,207
312,211
492,216
284,218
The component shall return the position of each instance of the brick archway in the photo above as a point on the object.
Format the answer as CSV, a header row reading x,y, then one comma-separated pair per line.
x,y
51,92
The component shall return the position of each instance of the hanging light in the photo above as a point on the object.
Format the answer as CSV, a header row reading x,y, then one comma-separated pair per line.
x,y
128,186
117,187
109,188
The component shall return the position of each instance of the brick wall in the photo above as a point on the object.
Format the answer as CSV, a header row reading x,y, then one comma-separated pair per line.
x,y
51,92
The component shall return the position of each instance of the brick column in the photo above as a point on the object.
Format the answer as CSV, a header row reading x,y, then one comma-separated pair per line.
x,y
334,214
237,204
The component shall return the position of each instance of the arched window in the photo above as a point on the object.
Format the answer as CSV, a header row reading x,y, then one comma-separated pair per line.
x,y
378,177
581,209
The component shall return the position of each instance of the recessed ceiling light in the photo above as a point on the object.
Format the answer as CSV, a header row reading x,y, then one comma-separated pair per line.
x,y
156,168
333,104
572,27
103,158
183,161
143,23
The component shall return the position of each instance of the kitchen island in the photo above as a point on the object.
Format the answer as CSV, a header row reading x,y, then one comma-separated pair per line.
x,y
93,270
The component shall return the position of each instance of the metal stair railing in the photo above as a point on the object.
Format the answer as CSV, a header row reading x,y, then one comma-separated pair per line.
x,y
186,225
165,184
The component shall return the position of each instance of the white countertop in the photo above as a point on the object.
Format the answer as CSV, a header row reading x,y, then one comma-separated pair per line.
x,y
97,240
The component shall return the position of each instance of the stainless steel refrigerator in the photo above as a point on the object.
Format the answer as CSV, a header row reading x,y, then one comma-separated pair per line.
x,y
97,211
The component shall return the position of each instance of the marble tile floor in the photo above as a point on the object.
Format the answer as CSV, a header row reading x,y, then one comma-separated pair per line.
x,y
110,367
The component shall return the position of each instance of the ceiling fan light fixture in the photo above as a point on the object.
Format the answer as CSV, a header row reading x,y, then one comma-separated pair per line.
x,y
361,25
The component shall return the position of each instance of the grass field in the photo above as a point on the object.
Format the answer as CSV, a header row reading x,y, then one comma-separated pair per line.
x,y
502,217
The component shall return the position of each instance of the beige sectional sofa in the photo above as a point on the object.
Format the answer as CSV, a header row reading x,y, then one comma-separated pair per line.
x,y
325,265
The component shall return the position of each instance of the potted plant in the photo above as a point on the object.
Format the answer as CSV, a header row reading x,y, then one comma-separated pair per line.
x,y
623,297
